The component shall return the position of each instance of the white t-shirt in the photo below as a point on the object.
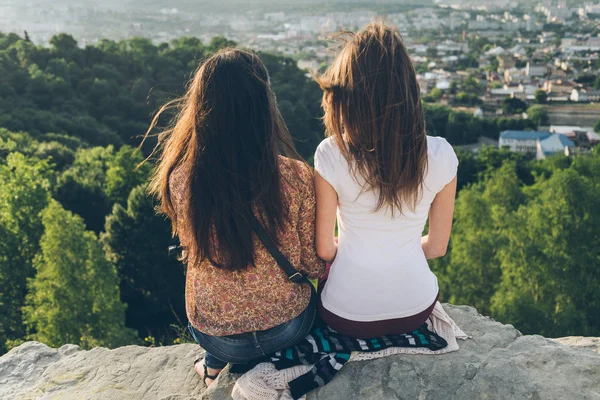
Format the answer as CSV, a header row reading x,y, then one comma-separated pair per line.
x,y
380,271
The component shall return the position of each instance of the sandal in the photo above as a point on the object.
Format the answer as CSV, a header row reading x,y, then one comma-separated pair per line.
x,y
206,375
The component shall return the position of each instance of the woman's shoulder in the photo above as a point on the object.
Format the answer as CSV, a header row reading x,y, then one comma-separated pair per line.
x,y
329,159
438,143
327,147
293,170
442,163
439,148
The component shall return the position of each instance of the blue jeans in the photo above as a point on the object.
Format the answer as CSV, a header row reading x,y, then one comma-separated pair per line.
x,y
251,346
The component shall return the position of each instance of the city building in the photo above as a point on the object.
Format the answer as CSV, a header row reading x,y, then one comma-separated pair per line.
x,y
521,141
572,132
555,143
583,95
535,70
593,137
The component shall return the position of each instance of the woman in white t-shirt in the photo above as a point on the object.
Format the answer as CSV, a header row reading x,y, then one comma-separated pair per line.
x,y
382,176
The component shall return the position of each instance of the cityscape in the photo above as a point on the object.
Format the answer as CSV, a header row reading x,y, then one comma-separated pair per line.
x,y
467,55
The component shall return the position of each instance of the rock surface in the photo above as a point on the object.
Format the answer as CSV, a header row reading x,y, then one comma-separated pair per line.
x,y
497,363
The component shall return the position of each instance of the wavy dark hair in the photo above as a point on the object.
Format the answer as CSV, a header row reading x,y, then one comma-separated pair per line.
x,y
225,143
373,109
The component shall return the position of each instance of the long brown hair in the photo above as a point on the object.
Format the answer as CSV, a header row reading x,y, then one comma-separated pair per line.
x,y
225,143
373,110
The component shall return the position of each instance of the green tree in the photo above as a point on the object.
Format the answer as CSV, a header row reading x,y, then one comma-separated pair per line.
x,y
63,43
65,46
82,188
469,99
74,297
541,97
124,173
549,277
24,193
436,118
538,114
436,94
152,283
597,126
473,272
453,86
513,105
472,85
219,42
469,168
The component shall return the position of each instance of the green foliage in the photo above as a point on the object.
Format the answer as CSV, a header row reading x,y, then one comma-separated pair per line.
x,y
473,86
459,127
513,105
436,94
597,126
105,94
505,124
74,297
24,193
124,173
548,268
522,247
218,43
152,283
538,115
541,97
453,86
74,109
468,99
473,271
82,187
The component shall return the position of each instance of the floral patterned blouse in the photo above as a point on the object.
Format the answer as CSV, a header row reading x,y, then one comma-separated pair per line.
x,y
221,302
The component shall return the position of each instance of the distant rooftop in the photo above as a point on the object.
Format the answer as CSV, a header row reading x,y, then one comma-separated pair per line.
x,y
555,143
565,129
524,135
593,136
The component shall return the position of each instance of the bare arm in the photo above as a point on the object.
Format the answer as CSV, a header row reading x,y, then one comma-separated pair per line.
x,y
435,243
326,213
310,263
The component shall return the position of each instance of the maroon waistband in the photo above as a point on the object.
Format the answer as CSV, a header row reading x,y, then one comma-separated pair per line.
x,y
371,329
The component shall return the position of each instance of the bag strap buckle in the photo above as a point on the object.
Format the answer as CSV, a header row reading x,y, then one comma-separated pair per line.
x,y
297,278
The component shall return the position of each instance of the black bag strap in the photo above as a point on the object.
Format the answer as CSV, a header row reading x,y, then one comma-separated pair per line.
x,y
284,263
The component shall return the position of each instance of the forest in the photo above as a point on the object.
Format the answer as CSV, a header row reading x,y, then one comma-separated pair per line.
x,y
83,255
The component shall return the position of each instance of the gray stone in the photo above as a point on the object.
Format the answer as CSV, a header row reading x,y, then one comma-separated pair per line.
x,y
590,343
497,363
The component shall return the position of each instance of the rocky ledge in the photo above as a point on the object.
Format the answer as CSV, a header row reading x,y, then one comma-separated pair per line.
x,y
497,363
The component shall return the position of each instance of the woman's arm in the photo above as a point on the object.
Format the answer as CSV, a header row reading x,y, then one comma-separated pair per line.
x,y
310,263
327,200
435,243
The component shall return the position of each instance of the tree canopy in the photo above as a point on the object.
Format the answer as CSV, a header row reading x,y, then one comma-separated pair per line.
x,y
74,296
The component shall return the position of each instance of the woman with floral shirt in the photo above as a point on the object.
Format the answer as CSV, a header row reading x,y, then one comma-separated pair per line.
x,y
220,165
